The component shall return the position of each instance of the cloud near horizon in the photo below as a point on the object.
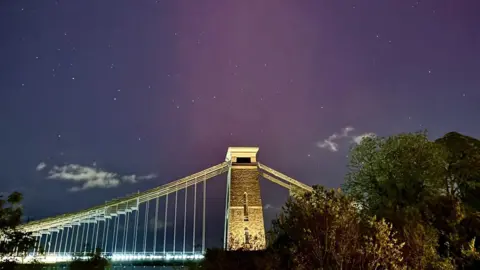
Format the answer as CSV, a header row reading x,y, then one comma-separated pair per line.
x,y
85,177
331,142
41,166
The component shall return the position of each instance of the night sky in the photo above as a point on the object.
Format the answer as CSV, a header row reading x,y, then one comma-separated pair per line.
x,y
99,99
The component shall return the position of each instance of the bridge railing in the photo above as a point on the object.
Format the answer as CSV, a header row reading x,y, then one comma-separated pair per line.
x,y
282,179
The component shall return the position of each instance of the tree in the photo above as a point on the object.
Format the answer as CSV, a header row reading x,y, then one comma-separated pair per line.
x,y
14,242
421,186
462,178
324,230
458,211
395,177
400,178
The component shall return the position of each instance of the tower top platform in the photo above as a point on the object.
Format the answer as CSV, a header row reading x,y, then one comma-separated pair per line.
x,y
233,153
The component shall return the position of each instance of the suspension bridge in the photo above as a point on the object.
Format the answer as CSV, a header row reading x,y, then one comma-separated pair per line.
x,y
122,230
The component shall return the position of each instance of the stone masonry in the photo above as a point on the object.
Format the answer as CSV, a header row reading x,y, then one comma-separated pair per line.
x,y
245,225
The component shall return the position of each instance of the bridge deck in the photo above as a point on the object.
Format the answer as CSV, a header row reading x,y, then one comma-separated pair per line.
x,y
118,257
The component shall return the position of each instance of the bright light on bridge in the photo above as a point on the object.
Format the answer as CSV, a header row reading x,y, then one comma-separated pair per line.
x,y
117,257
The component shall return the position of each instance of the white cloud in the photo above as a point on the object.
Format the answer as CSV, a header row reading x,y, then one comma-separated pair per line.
x,y
86,177
41,166
331,144
134,178
358,139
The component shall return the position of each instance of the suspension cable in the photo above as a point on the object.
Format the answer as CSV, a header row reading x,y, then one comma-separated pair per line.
x,y
105,234
116,232
61,241
203,213
156,228
83,234
114,221
96,234
165,226
71,240
76,239
46,242
55,245
37,244
225,227
66,242
135,233
38,239
126,233
194,213
92,244
185,217
125,228
86,237
145,228
175,222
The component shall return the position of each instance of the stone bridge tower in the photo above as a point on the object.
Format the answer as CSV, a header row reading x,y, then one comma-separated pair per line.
x,y
244,227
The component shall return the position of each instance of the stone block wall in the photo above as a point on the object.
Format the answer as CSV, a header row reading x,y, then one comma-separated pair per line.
x,y
245,180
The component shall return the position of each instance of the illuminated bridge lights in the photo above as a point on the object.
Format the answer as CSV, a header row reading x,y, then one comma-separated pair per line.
x,y
118,257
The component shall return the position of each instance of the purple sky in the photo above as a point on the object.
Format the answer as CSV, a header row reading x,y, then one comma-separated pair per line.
x,y
122,88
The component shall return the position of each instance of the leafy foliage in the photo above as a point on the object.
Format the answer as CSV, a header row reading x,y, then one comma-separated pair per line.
x,y
324,230
462,178
428,190
14,241
396,177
